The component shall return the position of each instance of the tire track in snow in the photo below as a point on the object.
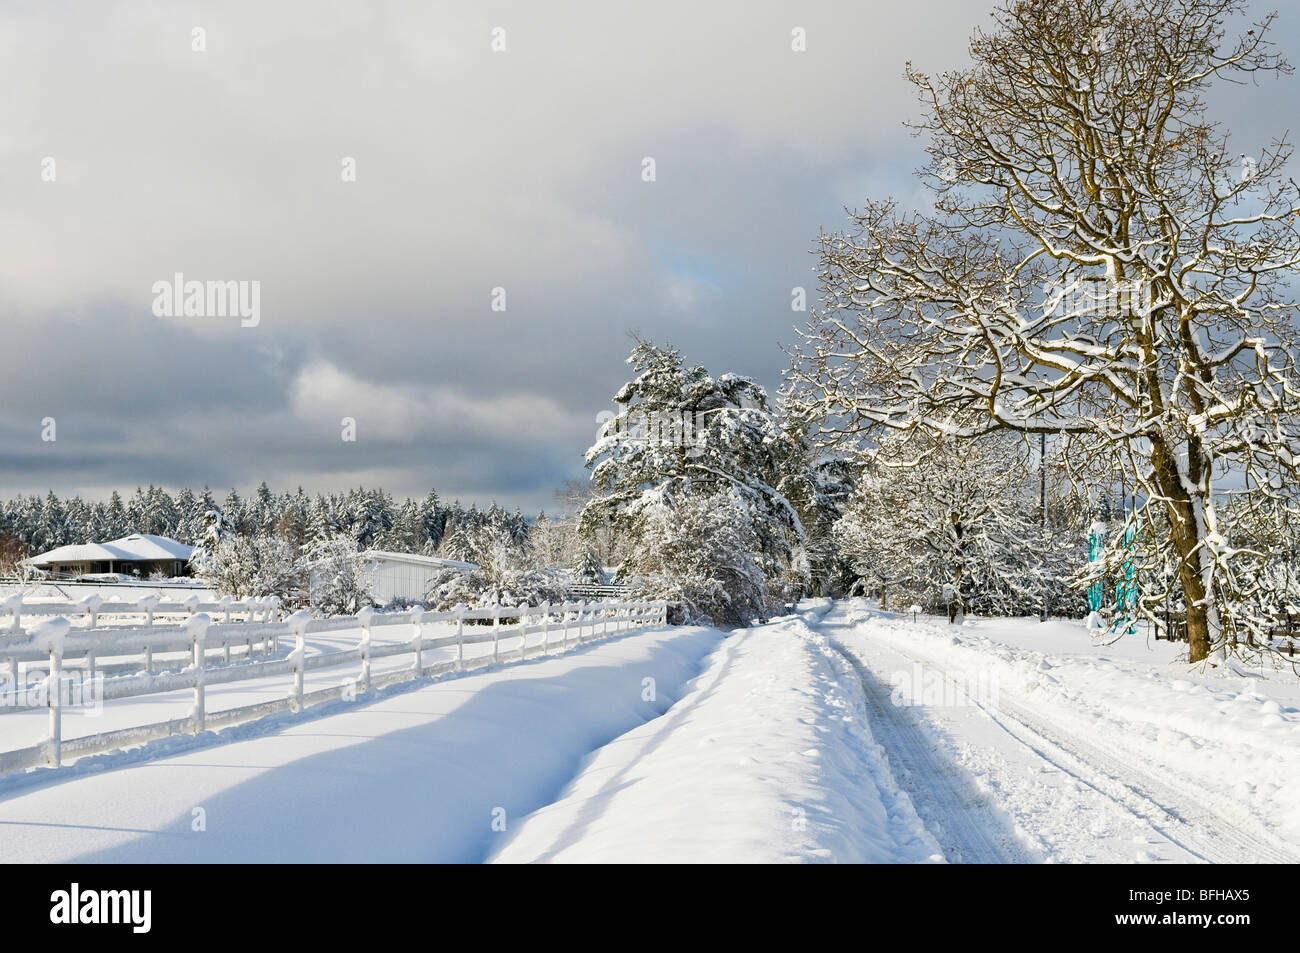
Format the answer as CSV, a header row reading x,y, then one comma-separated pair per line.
x,y
1189,817
1190,822
956,813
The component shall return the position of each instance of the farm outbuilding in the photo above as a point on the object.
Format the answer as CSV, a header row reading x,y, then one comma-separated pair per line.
x,y
405,576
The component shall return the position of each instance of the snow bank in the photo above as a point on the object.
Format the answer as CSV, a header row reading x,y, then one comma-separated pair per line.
x,y
768,758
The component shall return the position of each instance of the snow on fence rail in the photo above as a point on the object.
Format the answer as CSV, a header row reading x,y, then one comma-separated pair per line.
x,y
592,591
252,608
54,639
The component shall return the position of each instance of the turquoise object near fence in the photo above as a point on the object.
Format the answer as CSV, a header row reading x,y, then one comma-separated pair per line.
x,y
1126,591
1096,540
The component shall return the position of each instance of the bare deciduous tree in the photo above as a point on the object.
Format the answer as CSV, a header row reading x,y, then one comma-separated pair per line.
x,y
1098,265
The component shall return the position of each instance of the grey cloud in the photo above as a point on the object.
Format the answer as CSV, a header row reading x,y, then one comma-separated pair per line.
x,y
475,170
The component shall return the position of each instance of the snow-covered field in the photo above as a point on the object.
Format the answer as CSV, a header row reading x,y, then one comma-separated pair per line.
x,y
835,734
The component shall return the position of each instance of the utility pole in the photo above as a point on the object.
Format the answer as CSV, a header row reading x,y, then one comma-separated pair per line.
x,y
1042,516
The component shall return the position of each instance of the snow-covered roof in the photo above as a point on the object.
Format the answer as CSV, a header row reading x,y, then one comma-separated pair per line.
x,y
417,559
138,547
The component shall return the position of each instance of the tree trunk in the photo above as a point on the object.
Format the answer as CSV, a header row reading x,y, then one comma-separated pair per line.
x,y
955,606
1199,637
1187,531
1198,633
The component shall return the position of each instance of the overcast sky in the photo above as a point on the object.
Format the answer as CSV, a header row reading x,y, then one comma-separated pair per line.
x,y
475,170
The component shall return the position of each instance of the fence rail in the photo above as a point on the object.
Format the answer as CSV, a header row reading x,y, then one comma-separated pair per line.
x,y
150,606
591,590
1282,635
561,626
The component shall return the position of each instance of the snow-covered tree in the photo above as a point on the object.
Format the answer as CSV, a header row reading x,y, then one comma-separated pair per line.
x,y
235,513
679,437
699,552
1099,265
337,578
116,521
189,517
369,516
294,521
589,571
475,589
249,566
263,510
455,545
432,521
818,485
158,514
498,553
552,543
951,521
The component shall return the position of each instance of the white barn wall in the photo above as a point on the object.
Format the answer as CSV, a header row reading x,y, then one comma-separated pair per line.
x,y
405,576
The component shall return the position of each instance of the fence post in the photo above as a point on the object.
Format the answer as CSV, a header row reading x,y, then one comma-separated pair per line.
x,y
546,627
148,659
272,615
523,632
564,626
197,627
364,617
418,642
90,604
55,702
49,635
298,626
148,604
14,604
460,637
496,632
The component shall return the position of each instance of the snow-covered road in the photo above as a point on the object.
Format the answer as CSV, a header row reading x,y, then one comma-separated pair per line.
x,y
1073,774
770,757
964,820
837,733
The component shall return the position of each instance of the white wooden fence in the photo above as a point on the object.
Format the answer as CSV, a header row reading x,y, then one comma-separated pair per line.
x,y
92,607
561,627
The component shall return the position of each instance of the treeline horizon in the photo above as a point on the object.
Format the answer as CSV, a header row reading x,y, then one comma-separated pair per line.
x,y
31,524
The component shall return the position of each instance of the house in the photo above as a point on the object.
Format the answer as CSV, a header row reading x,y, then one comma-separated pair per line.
x,y
405,576
139,554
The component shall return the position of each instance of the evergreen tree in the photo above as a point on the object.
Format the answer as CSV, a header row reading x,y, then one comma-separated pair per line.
x,y
682,437
589,571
